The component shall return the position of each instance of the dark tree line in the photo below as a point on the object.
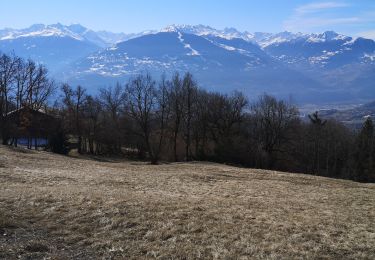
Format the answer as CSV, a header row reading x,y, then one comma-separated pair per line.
x,y
173,119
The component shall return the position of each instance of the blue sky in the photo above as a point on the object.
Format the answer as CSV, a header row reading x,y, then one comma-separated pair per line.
x,y
356,17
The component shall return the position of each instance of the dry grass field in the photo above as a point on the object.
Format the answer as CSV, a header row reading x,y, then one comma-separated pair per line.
x,y
56,207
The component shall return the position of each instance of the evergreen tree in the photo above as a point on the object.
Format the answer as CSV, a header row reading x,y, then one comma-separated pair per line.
x,y
365,152
316,133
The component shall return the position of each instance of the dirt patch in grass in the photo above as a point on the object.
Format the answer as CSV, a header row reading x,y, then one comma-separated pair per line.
x,y
59,207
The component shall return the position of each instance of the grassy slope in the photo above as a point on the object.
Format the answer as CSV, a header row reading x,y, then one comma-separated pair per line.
x,y
61,207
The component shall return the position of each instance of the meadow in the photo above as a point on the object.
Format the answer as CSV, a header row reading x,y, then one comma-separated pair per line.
x,y
64,207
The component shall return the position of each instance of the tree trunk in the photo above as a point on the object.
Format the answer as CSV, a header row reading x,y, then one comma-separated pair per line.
x,y
79,144
175,146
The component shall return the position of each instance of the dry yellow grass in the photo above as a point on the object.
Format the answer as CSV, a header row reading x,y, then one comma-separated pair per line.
x,y
58,207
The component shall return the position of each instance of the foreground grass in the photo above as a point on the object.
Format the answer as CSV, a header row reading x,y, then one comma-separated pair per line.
x,y
59,207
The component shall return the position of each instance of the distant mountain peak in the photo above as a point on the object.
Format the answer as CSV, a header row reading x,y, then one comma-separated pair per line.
x,y
327,36
330,34
170,28
204,30
192,29
42,30
78,28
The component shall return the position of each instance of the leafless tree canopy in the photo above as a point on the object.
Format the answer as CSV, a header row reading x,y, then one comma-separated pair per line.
x,y
22,84
172,119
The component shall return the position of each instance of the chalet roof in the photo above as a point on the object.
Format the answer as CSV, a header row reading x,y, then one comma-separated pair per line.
x,y
38,111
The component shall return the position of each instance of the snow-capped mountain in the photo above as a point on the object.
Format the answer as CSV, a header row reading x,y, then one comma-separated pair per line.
x,y
314,49
327,49
203,30
41,30
331,65
220,64
169,49
54,45
333,59
74,31
111,38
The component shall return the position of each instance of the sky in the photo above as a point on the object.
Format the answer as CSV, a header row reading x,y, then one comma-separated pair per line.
x,y
354,18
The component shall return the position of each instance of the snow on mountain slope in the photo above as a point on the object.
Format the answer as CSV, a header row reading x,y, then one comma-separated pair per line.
x,y
54,51
187,46
325,50
328,49
239,65
41,30
328,64
74,31
203,30
170,49
112,38
55,45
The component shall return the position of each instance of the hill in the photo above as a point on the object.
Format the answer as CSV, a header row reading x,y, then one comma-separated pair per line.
x,y
61,207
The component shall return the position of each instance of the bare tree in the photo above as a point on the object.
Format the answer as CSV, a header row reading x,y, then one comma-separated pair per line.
x,y
224,113
112,100
162,115
22,83
201,124
8,70
189,91
74,101
141,100
176,99
8,65
273,120
93,110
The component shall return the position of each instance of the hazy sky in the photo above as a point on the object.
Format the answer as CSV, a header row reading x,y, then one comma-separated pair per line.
x,y
356,17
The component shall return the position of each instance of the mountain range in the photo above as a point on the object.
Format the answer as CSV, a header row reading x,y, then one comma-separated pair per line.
x,y
310,68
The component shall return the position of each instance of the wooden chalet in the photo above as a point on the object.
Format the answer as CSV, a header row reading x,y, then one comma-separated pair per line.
x,y
30,127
